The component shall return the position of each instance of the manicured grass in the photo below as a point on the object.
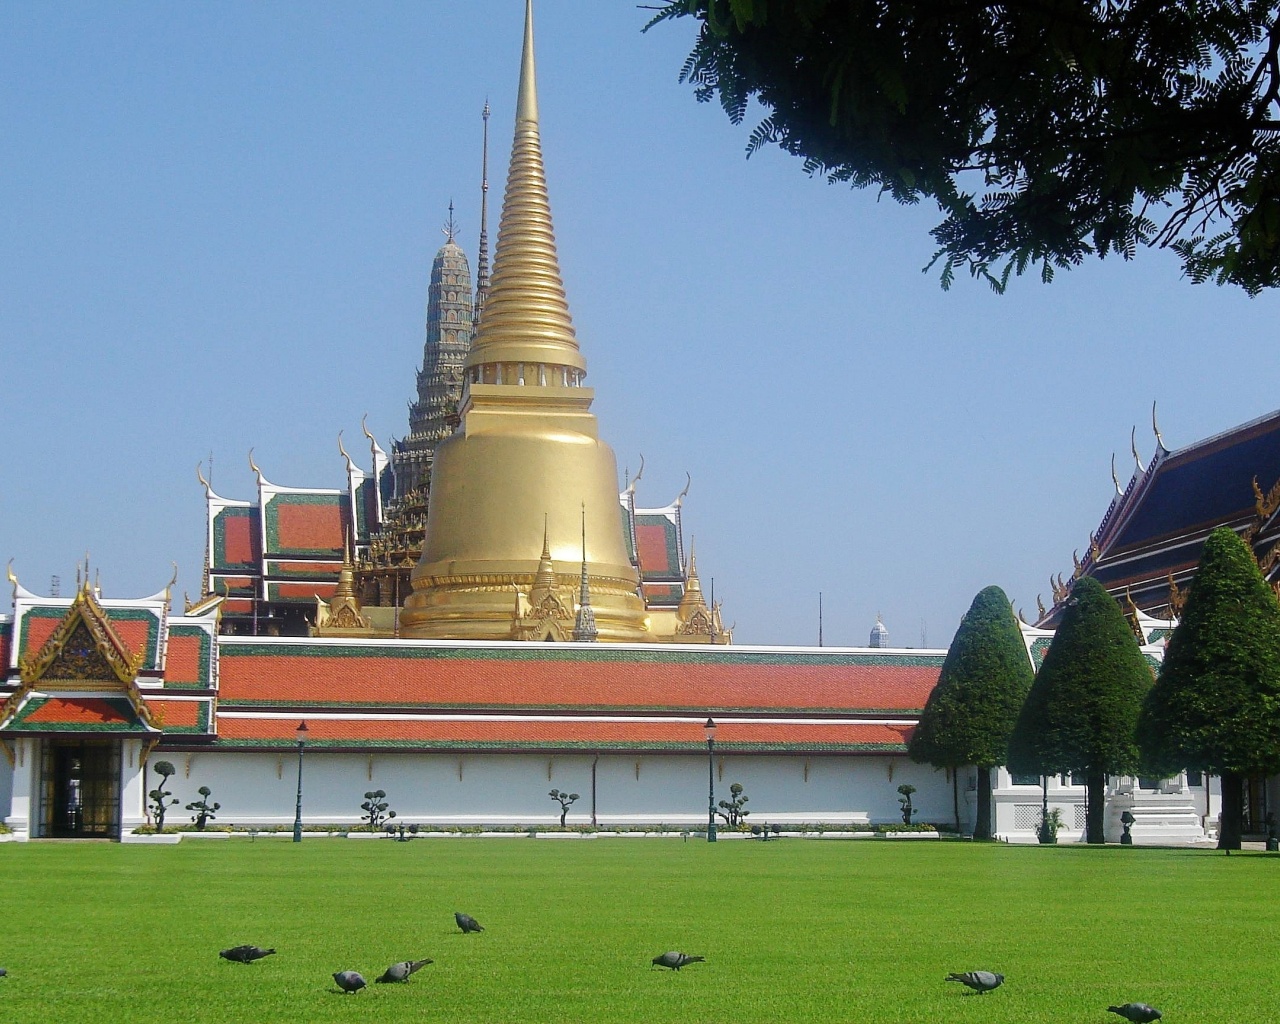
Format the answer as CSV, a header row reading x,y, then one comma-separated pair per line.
x,y
792,931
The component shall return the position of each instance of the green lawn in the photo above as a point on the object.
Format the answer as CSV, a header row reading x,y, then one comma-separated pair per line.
x,y
792,931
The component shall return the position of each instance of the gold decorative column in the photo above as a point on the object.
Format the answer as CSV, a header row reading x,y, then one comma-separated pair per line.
x,y
526,459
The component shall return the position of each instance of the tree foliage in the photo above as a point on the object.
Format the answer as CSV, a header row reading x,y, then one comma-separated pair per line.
x,y
984,681
1046,132
1081,715
970,713
1216,703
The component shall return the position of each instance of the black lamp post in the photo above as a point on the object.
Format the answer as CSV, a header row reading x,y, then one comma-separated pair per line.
x,y
297,814
710,729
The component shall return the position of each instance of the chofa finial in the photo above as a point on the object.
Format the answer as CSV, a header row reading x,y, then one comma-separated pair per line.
x,y
1155,427
1133,446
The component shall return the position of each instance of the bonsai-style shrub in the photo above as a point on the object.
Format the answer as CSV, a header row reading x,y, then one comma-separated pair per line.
x,y
1216,704
904,801
161,798
204,810
731,809
376,809
970,714
565,800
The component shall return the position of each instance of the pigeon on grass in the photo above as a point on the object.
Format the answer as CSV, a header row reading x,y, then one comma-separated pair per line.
x,y
402,970
467,923
3,972
1138,1013
245,954
981,982
349,981
676,960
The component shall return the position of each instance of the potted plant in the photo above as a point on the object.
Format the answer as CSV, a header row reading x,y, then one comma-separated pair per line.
x,y
1050,822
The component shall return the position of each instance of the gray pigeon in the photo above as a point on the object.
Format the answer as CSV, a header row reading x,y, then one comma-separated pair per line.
x,y
349,981
467,923
980,981
1139,1013
402,970
676,960
3,972
245,954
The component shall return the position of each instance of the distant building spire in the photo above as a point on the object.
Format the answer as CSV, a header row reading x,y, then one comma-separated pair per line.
x,y
450,227
482,260
879,635
584,626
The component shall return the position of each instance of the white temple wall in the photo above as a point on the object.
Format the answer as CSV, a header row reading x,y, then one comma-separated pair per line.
x,y
442,788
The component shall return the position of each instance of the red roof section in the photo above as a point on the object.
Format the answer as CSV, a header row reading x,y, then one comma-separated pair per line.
x,y
182,663
240,539
568,733
77,711
654,553
171,713
510,681
308,527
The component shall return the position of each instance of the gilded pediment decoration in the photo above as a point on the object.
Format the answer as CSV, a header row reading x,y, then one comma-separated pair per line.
x,y
83,646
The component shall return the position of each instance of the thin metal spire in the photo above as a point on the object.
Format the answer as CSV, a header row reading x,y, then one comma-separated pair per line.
x,y
584,626
482,261
450,226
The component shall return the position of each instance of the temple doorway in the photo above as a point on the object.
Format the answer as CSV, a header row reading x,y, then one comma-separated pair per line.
x,y
80,789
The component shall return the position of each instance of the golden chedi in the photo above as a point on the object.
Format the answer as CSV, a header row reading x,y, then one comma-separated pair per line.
x,y
524,495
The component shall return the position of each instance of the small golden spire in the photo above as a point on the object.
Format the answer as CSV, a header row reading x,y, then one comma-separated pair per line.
x,y
526,314
544,580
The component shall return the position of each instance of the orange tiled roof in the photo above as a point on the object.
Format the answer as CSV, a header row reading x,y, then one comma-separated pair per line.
x,y
173,713
183,663
578,733
598,678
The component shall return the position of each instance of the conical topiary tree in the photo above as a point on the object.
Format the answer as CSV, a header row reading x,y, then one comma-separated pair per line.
x,y
970,713
1216,704
1081,715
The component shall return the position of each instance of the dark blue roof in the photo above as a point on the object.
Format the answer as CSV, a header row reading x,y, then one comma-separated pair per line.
x,y
1206,484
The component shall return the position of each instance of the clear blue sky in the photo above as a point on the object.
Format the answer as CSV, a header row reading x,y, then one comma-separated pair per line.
x,y
218,221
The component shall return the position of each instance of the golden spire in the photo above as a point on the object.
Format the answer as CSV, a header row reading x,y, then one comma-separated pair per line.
x,y
526,315
544,580
692,600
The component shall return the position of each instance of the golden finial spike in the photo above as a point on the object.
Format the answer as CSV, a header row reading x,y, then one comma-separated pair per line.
x,y
1133,445
1040,606
208,490
1115,479
527,100
526,315
343,452
254,466
12,577
688,482
364,426
1156,427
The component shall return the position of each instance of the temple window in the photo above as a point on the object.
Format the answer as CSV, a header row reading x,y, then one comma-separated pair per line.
x,y
521,375
542,375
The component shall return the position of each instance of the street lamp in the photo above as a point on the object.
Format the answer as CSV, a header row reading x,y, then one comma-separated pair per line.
x,y
710,729
301,732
